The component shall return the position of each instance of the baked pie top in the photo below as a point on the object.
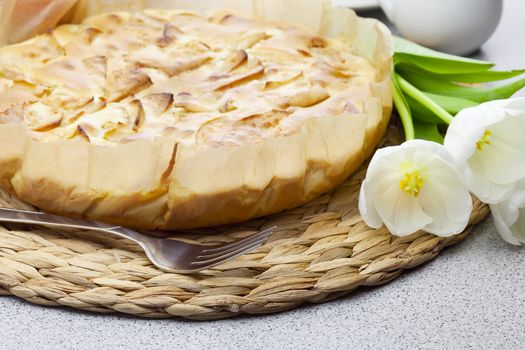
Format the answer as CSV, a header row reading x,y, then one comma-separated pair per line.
x,y
219,81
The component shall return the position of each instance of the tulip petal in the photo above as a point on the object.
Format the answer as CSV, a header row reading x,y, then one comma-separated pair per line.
x,y
428,148
401,213
518,228
367,208
504,158
491,169
449,204
465,130
383,159
502,227
513,106
480,184
448,187
518,197
509,215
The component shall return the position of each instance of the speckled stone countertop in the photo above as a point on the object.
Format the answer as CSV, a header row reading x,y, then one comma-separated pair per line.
x,y
471,296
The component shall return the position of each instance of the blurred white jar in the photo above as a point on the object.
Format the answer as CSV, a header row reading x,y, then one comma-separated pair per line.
x,y
455,26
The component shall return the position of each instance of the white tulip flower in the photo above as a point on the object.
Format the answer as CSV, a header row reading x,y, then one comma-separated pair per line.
x,y
488,146
509,215
415,186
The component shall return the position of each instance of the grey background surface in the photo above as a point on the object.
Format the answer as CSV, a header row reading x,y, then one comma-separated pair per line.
x,y
471,296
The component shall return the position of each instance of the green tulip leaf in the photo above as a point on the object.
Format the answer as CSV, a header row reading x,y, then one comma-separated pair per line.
x,y
420,112
410,90
483,77
430,87
402,108
477,94
433,61
427,131
451,104
469,77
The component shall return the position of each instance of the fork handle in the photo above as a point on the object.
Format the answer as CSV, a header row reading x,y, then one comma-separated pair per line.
x,y
45,219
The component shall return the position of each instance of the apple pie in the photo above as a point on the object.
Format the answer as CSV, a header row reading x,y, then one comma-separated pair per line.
x,y
169,119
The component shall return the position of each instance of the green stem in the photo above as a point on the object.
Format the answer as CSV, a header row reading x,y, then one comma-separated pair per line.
x,y
402,109
423,99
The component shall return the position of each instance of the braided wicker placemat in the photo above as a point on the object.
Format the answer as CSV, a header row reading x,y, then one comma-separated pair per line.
x,y
320,251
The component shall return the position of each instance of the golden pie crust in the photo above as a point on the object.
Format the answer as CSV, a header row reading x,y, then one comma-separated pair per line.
x,y
169,119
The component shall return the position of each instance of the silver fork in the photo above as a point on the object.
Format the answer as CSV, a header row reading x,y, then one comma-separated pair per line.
x,y
167,254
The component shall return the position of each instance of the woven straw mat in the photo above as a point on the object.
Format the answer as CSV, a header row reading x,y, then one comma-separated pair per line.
x,y
320,251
